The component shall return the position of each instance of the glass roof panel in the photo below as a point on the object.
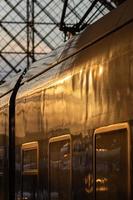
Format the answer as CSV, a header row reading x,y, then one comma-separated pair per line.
x,y
29,29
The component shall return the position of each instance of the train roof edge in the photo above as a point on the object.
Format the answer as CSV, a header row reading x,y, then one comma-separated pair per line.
x,y
107,24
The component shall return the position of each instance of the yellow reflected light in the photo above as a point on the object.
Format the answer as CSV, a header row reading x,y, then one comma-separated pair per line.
x,y
100,72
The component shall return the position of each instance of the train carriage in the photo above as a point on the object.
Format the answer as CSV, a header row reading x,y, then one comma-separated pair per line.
x,y
66,125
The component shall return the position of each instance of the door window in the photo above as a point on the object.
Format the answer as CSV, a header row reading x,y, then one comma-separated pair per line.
x,y
30,170
60,168
112,163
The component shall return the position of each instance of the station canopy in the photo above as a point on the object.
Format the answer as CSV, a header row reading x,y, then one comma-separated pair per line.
x,y
29,29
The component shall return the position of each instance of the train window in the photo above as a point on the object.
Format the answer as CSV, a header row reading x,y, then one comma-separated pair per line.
x,y
30,158
82,174
112,162
60,168
30,170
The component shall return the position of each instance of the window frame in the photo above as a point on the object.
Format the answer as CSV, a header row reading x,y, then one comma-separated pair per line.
x,y
59,139
27,147
108,129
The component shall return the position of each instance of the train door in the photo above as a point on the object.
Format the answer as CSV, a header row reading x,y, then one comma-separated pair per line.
x,y
112,162
60,168
30,170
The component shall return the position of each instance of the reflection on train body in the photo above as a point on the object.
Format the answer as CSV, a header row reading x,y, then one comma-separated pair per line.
x,y
68,130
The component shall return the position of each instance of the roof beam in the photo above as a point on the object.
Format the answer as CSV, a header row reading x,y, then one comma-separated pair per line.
x,y
107,4
13,38
9,64
62,24
12,8
72,10
3,78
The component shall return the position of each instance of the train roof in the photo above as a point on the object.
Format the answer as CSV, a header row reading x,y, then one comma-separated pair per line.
x,y
100,29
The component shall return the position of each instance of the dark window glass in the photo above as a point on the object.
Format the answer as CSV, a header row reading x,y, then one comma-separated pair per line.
x,y
82,167
30,171
29,160
111,165
29,187
60,174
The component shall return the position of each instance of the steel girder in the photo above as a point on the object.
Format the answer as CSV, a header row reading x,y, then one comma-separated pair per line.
x,y
28,29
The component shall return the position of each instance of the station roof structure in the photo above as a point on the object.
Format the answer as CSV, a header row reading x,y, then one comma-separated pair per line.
x,y
31,28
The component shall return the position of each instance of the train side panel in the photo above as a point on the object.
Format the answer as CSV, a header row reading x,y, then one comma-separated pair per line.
x,y
94,91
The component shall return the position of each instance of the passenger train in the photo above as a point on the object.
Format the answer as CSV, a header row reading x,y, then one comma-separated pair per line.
x,y
66,125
